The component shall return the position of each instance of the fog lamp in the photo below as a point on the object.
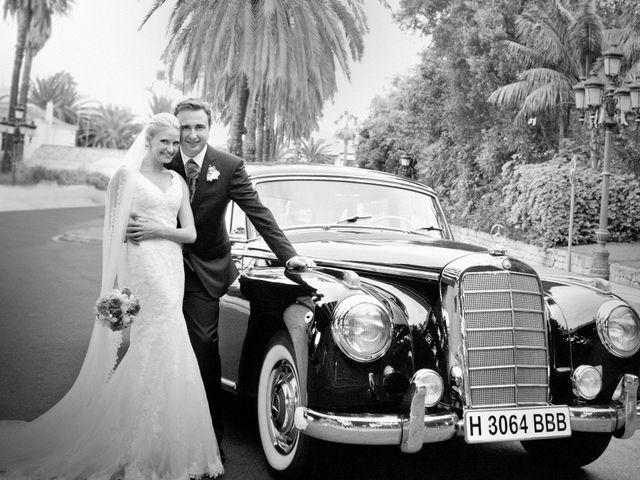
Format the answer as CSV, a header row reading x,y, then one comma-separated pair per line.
x,y
587,382
433,383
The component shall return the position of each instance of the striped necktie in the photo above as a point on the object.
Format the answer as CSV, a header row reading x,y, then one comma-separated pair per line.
x,y
193,172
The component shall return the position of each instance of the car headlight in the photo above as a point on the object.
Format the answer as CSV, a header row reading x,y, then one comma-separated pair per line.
x,y
362,328
618,328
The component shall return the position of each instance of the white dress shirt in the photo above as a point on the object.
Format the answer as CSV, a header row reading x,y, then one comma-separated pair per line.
x,y
198,158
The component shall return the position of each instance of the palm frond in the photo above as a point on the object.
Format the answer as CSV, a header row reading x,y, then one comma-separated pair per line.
x,y
510,95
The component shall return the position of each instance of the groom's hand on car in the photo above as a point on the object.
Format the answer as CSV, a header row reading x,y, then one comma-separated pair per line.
x,y
299,262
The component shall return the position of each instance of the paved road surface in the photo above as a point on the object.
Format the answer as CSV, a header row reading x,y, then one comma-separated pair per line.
x,y
46,299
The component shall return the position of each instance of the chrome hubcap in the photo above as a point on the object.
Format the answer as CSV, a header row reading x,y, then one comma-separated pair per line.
x,y
284,398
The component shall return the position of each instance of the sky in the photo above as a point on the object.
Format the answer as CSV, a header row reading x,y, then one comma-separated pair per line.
x,y
113,61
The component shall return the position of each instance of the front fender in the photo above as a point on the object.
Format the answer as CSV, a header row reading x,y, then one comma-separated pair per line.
x,y
273,291
573,304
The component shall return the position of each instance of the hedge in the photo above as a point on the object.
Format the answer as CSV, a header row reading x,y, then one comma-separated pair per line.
x,y
36,174
537,199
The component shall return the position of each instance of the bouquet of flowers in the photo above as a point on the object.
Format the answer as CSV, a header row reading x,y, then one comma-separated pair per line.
x,y
117,308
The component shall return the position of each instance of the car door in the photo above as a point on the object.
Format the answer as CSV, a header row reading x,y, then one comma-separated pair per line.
x,y
234,308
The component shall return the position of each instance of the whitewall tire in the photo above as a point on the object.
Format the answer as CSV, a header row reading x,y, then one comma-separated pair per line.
x,y
279,393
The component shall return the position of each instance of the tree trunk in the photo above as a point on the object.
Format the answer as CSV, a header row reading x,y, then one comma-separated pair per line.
x,y
346,149
561,127
259,131
26,74
29,53
268,151
241,98
24,19
250,137
268,143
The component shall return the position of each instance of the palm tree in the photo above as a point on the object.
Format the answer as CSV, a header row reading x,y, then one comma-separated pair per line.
x,y
110,126
159,103
34,23
555,46
59,89
274,60
37,35
316,151
347,132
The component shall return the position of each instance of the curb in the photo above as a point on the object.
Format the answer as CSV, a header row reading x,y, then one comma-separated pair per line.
x,y
78,237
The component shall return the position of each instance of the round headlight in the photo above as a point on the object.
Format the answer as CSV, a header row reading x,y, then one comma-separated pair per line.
x,y
587,382
618,328
362,328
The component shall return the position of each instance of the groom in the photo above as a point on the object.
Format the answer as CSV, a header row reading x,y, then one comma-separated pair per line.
x,y
215,178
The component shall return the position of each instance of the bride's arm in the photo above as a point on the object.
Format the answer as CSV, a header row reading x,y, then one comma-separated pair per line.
x,y
143,228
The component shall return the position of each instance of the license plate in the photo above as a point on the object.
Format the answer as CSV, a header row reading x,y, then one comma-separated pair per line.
x,y
482,426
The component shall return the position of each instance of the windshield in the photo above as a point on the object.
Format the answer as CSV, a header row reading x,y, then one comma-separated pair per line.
x,y
331,203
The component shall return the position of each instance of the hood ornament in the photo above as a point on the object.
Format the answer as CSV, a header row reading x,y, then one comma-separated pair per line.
x,y
498,248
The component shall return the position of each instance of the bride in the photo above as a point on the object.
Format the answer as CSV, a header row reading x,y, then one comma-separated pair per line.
x,y
145,417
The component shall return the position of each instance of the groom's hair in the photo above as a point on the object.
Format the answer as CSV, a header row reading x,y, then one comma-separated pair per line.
x,y
193,104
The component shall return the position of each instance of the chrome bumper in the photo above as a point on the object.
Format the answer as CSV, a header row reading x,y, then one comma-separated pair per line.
x,y
413,430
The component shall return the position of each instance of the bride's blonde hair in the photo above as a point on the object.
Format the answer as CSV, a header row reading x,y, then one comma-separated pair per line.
x,y
161,121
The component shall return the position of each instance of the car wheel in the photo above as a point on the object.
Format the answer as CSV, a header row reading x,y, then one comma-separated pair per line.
x,y
575,451
285,447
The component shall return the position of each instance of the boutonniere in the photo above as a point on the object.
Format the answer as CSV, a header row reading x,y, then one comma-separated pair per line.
x,y
212,173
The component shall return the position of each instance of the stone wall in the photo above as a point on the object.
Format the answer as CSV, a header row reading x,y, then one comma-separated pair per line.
x,y
550,257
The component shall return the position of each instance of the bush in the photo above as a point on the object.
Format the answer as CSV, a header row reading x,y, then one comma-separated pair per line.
x,y
37,174
537,197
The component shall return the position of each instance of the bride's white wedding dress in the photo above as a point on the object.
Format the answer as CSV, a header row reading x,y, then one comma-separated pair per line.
x,y
150,420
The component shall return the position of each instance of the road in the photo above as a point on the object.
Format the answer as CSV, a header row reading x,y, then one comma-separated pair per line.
x,y
46,300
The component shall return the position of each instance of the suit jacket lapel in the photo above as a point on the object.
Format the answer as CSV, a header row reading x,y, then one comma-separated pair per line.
x,y
201,184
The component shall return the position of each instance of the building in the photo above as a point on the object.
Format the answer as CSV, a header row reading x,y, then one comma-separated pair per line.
x,y
49,130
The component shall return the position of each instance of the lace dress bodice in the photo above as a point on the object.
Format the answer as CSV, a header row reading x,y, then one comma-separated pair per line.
x,y
155,269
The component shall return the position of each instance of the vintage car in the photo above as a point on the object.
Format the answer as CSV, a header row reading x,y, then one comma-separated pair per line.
x,y
403,336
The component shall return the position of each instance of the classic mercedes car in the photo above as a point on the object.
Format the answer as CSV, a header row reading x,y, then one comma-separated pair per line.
x,y
403,336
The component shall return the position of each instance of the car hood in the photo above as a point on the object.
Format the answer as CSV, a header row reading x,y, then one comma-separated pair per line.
x,y
377,247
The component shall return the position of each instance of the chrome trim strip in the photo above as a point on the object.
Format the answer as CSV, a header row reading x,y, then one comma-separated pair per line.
x,y
491,310
228,385
507,329
367,429
507,347
369,267
507,385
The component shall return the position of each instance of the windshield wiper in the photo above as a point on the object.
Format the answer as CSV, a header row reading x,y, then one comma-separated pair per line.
x,y
430,228
353,219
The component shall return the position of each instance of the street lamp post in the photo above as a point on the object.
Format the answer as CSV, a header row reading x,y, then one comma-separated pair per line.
x,y
610,110
15,128
405,166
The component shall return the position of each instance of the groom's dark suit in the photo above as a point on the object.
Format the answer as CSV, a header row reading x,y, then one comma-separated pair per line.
x,y
209,269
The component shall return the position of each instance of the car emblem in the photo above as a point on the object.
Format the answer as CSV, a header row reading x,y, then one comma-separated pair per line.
x,y
497,232
506,264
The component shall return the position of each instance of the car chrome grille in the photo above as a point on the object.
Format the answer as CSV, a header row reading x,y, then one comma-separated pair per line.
x,y
505,337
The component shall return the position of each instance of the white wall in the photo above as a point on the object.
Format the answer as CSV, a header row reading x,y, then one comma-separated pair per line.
x,y
49,134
